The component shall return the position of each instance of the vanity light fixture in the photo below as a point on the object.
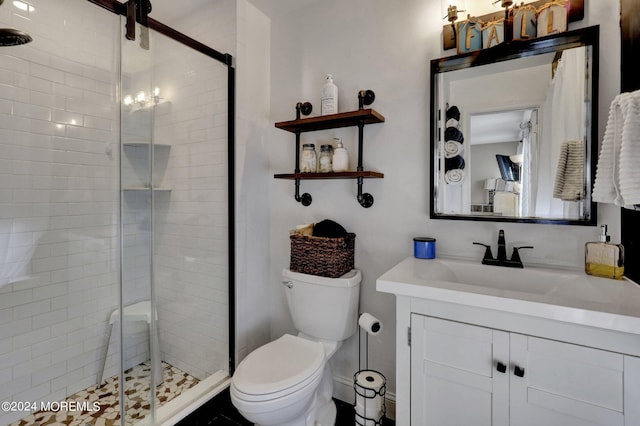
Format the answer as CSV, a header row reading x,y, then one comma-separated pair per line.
x,y
142,100
451,8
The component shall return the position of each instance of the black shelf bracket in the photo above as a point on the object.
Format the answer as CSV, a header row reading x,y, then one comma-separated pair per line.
x,y
365,97
304,108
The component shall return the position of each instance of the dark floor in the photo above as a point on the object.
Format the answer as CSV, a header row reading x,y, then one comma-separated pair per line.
x,y
220,412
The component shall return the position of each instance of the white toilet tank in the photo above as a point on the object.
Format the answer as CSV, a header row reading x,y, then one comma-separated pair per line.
x,y
321,307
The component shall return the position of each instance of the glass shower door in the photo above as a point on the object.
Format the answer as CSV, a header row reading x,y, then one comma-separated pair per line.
x,y
175,225
141,366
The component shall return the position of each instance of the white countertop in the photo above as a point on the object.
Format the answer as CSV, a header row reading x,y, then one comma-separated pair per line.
x,y
557,294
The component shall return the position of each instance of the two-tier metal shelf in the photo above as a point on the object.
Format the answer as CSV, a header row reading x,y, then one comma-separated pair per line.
x,y
358,118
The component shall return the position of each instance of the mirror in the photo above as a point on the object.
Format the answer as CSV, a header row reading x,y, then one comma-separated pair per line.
x,y
514,131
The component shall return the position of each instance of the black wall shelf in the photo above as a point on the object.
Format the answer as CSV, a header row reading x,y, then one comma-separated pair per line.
x,y
359,118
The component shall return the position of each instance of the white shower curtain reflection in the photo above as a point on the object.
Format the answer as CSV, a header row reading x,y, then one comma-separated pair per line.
x,y
529,148
564,120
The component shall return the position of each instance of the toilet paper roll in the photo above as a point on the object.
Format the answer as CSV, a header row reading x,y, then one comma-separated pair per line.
x,y
370,324
369,401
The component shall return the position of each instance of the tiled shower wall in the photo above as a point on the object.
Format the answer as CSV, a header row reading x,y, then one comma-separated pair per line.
x,y
59,168
190,227
59,206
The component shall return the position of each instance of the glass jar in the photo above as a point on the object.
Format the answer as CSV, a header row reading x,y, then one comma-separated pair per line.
x,y
325,163
308,162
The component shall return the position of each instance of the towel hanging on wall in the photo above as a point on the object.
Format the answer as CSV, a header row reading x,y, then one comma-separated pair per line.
x,y
453,134
452,149
452,163
569,183
454,177
617,174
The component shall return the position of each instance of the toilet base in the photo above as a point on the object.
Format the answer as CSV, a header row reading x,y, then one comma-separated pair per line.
x,y
327,416
322,410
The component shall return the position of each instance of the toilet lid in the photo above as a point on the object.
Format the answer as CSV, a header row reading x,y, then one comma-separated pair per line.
x,y
279,365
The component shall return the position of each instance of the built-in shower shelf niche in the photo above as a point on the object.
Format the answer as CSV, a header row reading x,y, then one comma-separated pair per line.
x,y
146,188
144,144
136,167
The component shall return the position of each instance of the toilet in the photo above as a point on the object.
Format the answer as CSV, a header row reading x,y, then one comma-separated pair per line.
x,y
288,382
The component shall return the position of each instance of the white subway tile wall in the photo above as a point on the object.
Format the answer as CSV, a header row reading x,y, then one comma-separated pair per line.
x,y
60,212
59,199
190,238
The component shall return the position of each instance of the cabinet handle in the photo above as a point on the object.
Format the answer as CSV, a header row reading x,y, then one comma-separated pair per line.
x,y
501,367
518,371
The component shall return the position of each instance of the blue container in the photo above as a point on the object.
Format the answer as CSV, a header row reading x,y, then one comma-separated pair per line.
x,y
424,247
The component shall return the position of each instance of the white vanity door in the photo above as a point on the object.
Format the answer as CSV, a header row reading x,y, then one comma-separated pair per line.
x,y
454,377
631,391
564,384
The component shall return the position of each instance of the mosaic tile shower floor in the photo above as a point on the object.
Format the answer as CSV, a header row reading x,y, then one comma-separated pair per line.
x,y
137,394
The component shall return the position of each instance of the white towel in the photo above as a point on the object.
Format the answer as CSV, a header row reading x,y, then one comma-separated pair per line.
x,y
617,175
454,177
569,183
452,149
452,122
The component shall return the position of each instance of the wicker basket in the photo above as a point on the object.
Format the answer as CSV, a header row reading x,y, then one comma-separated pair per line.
x,y
327,257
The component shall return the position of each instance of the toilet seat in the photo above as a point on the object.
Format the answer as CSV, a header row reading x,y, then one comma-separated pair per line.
x,y
279,368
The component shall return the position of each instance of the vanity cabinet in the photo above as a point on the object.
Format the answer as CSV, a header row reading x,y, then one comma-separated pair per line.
x,y
486,345
454,381
467,374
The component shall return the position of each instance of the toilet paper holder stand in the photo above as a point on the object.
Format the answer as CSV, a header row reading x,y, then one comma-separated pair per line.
x,y
362,392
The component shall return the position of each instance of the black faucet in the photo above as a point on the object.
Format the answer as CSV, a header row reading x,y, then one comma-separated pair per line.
x,y
502,248
501,259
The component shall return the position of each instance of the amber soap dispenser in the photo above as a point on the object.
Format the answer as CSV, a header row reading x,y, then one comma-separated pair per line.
x,y
604,259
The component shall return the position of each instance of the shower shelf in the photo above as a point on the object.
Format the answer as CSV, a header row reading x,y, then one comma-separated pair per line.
x,y
143,144
145,188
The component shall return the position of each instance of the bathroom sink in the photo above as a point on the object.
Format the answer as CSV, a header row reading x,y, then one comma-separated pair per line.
x,y
561,294
464,273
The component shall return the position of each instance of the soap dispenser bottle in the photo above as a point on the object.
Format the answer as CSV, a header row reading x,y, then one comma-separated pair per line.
x,y
340,157
604,259
329,99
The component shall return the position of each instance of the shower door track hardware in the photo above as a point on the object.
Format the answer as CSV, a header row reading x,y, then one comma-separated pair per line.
x,y
358,118
118,8
138,10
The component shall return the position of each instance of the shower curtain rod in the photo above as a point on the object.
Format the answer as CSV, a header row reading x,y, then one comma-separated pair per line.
x,y
118,8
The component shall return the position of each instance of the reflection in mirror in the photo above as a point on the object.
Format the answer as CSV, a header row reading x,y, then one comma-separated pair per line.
x,y
501,145
516,136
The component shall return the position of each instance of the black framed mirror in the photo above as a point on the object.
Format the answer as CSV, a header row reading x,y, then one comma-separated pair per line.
x,y
514,131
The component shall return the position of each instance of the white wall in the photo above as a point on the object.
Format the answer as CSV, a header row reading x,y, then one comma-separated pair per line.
x,y
387,46
253,185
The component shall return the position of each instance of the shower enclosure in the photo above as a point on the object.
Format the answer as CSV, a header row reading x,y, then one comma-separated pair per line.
x,y
116,216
